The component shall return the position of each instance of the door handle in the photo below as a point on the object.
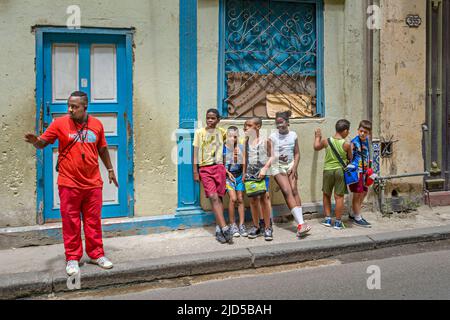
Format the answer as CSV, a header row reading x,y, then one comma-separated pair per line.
x,y
47,105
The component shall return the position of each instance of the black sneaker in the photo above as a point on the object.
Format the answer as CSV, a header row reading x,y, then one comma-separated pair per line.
x,y
362,223
220,237
268,234
228,235
254,233
262,226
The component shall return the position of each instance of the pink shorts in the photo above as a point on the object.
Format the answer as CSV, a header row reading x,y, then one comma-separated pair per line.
x,y
359,187
214,180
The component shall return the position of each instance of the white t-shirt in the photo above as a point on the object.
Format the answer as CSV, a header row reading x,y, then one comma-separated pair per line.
x,y
284,145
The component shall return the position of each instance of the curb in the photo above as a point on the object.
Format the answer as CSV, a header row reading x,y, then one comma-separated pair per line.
x,y
15,286
20,237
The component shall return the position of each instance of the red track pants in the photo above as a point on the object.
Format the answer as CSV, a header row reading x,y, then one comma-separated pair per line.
x,y
89,203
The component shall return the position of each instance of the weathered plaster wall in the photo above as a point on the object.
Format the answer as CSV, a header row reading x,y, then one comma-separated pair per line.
x,y
403,88
344,84
156,91
155,97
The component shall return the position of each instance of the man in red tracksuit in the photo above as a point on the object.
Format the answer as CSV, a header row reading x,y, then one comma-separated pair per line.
x,y
81,141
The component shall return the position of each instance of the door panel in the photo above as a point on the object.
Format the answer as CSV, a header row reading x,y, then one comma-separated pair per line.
x,y
96,65
64,71
103,73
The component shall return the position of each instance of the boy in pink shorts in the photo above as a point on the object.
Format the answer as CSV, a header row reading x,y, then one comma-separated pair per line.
x,y
210,170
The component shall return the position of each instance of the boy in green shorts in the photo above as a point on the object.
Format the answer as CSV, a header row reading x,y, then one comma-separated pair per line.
x,y
333,174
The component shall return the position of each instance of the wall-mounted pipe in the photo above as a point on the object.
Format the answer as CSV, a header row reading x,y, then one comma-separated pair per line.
x,y
380,183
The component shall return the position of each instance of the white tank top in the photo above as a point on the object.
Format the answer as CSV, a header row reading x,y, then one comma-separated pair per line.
x,y
257,154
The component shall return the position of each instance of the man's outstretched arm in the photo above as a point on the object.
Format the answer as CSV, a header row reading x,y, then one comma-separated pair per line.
x,y
35,141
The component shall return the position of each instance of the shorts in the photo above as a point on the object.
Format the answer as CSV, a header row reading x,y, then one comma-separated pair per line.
x,y
334,179
236,186
267,183
213,179
360,186
281,168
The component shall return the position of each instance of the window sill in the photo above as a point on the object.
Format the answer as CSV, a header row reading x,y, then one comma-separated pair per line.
x,y
230,122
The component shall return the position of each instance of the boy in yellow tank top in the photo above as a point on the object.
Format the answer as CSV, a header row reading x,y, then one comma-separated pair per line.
x,y
333,174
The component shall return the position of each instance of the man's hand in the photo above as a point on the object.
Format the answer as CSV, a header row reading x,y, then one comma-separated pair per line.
x,y
112,178
35,141
31,138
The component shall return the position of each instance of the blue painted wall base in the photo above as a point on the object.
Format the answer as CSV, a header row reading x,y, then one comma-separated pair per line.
x,y
52,234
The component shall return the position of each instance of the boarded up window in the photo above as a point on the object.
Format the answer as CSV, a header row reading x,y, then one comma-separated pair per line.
x,y
270,58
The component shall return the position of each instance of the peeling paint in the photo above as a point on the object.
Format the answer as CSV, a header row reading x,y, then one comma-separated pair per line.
x,y
403,87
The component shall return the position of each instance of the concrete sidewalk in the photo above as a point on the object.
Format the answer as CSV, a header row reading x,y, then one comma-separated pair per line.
x,y
41,270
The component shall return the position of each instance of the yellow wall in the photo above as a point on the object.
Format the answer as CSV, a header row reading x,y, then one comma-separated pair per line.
x,y
156,91
403,89
344,84
155,97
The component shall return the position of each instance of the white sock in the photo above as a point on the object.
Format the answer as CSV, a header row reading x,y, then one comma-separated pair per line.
x,y
357,217
297,212
218,228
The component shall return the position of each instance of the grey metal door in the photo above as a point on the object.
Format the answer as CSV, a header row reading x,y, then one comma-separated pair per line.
x,y
446,117
437,136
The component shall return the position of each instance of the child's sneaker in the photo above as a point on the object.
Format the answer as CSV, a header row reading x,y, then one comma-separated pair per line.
x,y
235,231
327,222
219,237
268,234
339,225
243,231
362,223
303,229
262,226
254,233
228,235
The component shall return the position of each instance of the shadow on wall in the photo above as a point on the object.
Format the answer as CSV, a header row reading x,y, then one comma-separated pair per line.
x,y
314,174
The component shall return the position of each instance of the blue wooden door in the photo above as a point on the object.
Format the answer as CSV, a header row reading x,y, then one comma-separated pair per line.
x,y
95,64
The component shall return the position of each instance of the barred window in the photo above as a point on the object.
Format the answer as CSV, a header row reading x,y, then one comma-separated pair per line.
x,y
270,58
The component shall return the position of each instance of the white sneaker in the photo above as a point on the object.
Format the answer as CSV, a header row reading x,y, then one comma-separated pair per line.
x,y
103,262
72,267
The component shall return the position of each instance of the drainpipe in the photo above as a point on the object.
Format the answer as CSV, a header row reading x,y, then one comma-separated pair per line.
x,y
369,66
426,127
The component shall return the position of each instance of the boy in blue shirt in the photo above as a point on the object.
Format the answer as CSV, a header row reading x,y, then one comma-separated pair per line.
x,y
233,153
361,159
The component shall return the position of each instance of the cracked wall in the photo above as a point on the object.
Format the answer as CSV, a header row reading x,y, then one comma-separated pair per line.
x,y
403,89
344,76
155,97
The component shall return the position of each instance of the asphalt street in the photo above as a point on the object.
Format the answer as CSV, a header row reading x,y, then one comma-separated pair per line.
x,y
420,271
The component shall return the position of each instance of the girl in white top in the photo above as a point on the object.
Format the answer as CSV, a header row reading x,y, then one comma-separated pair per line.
x,y
285,168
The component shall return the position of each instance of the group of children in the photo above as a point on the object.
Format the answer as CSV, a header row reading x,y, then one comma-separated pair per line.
x,y
225,162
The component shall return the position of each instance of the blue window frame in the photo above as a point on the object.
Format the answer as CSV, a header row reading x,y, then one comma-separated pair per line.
x,y
270,54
